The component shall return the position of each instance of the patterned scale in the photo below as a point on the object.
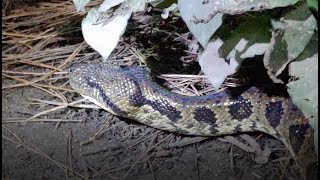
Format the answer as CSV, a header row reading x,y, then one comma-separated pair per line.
x,y
129,92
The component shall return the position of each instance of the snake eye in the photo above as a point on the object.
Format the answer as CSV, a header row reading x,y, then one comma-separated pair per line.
x,y
71,70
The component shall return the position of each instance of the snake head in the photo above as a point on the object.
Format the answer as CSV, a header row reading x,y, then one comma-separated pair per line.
x,y
88,79
105,85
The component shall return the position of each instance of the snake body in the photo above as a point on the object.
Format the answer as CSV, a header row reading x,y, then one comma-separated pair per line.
x,y
129,92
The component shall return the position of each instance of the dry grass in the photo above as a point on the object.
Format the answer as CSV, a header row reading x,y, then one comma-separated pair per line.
x,y
41,42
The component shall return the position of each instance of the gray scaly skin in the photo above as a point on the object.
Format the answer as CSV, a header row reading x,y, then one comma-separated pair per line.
x,y
129,92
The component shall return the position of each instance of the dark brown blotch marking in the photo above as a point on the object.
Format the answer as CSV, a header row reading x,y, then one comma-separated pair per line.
x,y
241,108
137,99
106,100
165,109
297,135
206,115
274,112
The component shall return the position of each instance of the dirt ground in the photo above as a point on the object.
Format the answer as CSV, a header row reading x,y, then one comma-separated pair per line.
x,y
88,143
124,148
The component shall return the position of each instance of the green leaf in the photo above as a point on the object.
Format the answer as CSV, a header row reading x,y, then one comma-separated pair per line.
x,y
194,11
137,5
287,44
111,28
298,31
278,3
313,4
203,18
80,4
216,69
304,92
253,29
162,3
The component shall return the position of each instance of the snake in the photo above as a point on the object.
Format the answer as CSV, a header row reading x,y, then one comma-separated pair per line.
x,y
131,92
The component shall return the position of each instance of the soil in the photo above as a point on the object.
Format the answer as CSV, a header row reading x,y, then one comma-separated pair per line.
x,y
123,145
55,147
